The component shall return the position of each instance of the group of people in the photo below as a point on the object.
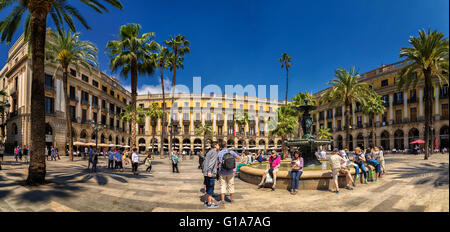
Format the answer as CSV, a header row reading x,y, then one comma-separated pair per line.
x,y
341,164
21,153
117,159
52,153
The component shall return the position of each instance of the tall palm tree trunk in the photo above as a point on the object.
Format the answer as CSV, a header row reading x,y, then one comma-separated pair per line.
x,y
133,102
347,126
68,116
174,71
287,81
428,110
37,168
163,119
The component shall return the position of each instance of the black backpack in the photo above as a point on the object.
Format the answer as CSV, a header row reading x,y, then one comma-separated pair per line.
x,y
228,162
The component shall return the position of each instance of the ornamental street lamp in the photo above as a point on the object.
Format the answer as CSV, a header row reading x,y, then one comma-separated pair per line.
x,y
97,127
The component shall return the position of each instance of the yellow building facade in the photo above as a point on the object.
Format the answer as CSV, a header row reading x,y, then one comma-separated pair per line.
x,y
189,111
94,97
403,120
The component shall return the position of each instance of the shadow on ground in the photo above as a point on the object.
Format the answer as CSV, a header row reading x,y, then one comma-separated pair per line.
x,y
426,172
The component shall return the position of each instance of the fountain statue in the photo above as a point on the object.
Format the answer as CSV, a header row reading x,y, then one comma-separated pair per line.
x,y
308,144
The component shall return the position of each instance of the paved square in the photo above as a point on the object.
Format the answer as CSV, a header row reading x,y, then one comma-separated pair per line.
x,y
412,184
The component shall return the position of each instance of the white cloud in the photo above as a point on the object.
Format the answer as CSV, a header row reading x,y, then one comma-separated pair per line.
x,y
157,89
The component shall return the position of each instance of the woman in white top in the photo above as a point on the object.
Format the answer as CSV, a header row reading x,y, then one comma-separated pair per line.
x,y
380,158
135,161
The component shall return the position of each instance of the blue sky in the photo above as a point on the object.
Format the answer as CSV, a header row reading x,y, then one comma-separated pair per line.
x,y
240,41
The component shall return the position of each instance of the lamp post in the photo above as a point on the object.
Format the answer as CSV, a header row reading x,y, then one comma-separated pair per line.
x,y
6,107
171,126
97,127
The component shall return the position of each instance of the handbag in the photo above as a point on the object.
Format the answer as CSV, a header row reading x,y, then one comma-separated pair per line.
x,y
269,178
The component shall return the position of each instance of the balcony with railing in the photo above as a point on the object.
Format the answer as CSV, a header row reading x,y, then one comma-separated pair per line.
x,y
85,102
397,102
50,88
412,100
73,98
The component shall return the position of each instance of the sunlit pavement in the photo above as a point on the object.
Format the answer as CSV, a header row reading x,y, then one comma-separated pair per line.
x,y
412,184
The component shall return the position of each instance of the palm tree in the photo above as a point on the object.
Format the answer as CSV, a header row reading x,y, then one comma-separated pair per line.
x,y
428,60
161,60
35,31
374,106
286,63
64,49
131,56
323,133
299,100
242,120
178,46
127,115
346,89
205,131
155,113
284,125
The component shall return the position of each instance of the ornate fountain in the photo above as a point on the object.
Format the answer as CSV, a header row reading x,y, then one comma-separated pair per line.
x,y
308,144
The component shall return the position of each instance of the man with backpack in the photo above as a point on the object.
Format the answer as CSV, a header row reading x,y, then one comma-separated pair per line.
x,y
210,173
227,164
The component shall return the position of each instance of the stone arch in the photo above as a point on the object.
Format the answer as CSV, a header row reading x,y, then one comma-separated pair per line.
x,y
444,137
102,138
413,135
399,140
271,144
384,140
251,143
340,142
49,135
360,140
141,145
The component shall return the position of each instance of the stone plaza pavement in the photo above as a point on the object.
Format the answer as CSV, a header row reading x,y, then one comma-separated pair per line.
x,y
412,184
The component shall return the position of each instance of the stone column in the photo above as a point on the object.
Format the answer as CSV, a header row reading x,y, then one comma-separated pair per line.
x,y
334,118
436,104
391,109
405,105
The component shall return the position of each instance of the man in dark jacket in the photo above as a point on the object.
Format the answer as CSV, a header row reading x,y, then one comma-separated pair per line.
x,y
210,172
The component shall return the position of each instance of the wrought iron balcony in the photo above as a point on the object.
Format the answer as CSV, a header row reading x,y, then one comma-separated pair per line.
x,y
85,102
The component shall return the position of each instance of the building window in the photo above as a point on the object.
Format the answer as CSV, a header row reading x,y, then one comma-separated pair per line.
x,y
384,83
398,98
104,119
95,83
413,114
72,113
208,105
230,106
398,116
186,104
73,72
94,101
72,92
444,91
330,125
359,122
185,116
95,117
444,112
84,116
197,104
104,88
85,78
197,117
385,98
111,92
48,81
219,130
220,106
321,115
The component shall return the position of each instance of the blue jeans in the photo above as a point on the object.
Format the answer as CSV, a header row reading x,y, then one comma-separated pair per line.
x,y
295,178
363,169
356,169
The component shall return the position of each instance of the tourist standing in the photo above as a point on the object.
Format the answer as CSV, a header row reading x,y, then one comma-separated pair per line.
x,y
227,163
53,153
25,154
2,152
135,161
118,159
359,159
296,171
148,162
336,163
210,165
374,163
200,160
90,156
174,158
94,160
274,164
379,156
110,159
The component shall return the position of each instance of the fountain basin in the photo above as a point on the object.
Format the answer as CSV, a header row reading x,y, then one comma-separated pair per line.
x,y
312,178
